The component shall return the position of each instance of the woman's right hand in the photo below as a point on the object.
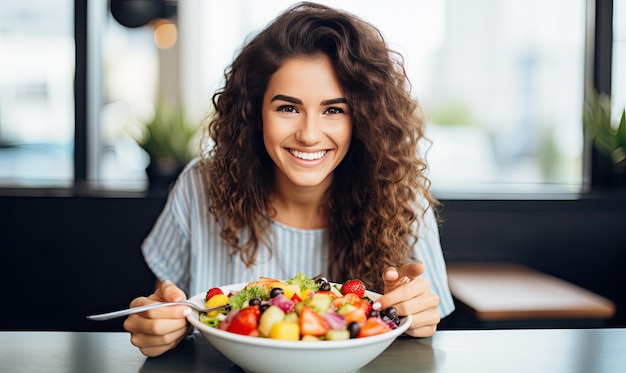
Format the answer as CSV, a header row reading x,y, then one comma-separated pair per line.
x,y
158,330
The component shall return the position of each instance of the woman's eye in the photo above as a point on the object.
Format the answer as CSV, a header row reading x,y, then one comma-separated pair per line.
x,y
287,109
334,110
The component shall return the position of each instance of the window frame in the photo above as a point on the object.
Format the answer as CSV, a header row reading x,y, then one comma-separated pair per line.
x,y
598,69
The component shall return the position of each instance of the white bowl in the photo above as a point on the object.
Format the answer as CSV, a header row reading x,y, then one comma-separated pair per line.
x,y
260,355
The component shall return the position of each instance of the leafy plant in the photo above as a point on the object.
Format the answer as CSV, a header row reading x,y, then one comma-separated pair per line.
x,y
608,138
169,135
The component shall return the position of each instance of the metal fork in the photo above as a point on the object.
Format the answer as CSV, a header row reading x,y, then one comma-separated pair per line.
x,y
112,315
126,312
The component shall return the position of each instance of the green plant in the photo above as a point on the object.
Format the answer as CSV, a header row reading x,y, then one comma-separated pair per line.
x,y
608,138
169,135
452,113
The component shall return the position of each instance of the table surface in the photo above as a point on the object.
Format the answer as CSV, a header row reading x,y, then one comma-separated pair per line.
x,y
523,350
506,291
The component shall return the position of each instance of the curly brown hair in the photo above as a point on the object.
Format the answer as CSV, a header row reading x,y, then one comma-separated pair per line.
x,y
377,196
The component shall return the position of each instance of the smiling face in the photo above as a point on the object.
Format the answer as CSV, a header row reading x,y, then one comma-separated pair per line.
x,y
306,122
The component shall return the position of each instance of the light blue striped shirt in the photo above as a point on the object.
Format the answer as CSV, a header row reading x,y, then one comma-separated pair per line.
x,y
185,246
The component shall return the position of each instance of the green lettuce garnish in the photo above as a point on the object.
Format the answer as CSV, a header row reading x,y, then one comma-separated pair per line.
x,y
305,283
237,301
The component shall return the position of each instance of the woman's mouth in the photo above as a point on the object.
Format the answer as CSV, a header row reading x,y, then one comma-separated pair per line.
x,y
308,156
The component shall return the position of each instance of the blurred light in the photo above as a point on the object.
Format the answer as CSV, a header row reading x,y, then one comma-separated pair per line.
x,y
165,34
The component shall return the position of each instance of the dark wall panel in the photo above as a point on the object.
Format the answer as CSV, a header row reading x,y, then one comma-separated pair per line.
x,y
73,256
582,241
70,257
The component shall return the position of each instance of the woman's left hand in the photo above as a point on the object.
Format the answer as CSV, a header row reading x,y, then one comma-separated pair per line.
x,y
410,294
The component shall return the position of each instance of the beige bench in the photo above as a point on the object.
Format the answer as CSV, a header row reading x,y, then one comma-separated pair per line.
x,y
515,295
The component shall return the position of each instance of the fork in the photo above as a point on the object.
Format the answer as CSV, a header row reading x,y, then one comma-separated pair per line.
x,y
129,311
115,314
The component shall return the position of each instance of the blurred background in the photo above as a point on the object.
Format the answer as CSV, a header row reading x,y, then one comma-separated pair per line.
x,y
502,83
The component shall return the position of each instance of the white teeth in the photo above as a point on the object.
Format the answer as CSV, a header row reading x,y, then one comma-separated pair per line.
x,y
308,156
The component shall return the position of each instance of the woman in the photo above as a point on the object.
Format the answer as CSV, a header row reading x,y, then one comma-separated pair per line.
x,y
313,167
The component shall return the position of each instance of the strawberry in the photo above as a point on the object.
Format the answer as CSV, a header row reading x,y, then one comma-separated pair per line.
x,y
373,326
312,323
246,321
355,286
212,292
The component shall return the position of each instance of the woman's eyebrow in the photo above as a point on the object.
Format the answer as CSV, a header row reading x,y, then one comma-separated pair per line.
x,y
293,100
340,100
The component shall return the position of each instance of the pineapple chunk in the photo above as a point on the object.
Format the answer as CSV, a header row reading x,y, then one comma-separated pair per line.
x,y
306,294
216,300
285,330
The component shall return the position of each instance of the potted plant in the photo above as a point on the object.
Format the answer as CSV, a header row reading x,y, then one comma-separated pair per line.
x,y
609,137
168,139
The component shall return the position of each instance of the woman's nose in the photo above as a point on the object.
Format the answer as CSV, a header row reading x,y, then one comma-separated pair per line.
x,y
310,131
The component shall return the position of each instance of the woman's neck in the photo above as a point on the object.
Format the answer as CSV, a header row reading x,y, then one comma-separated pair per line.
x,y
303,208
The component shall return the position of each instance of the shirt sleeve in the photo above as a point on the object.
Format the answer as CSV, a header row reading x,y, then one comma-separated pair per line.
x,y
429,251
166,249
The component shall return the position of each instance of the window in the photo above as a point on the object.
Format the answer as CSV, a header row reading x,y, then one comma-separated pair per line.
x,y
36,93
128,88
501,83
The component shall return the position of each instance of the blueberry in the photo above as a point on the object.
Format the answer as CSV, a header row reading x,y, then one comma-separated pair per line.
x,y
391,311
323,284
354,328
254,302
275,291
321,280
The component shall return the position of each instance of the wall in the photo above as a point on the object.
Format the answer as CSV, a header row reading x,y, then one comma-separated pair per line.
x,y
72,256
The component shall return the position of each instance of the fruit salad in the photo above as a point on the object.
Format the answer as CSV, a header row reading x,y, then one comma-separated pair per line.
x,y
299,309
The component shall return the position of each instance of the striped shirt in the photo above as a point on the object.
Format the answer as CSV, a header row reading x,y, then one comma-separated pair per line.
x,y
185,247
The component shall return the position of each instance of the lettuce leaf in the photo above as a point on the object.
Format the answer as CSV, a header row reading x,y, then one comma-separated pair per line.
x,y
238,300
305,283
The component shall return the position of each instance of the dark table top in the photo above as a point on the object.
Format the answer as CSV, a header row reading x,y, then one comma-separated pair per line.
x,y
529,350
